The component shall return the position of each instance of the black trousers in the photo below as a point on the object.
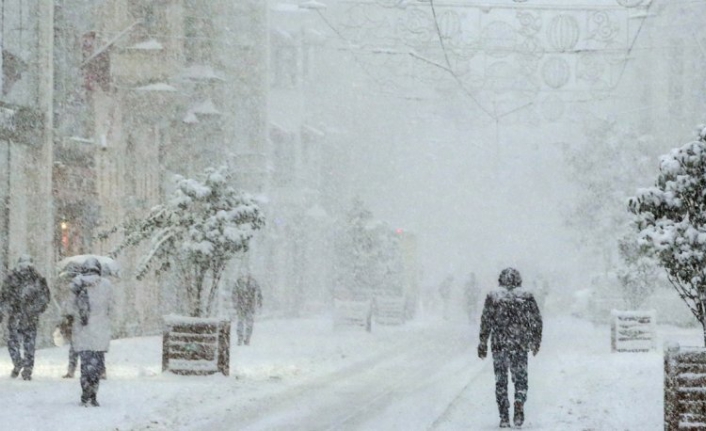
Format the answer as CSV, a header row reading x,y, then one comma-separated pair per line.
x,y
73,359
246,323
516,363
20,336
92,366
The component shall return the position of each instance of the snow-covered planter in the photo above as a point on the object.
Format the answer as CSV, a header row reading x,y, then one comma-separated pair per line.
x,y
632,331
202,226
684,388
196,345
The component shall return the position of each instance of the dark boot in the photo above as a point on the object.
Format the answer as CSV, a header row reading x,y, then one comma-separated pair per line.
x,y
519,414
504,419
15,372
26,374
68,375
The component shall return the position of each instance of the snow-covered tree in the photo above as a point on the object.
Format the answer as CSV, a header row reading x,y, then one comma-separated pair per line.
x,y
671,218
201,227
639,277
386,264
353,247
598,167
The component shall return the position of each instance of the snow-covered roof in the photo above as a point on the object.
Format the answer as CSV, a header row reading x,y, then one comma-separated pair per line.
x,y
147,45
190,118
312,4
157,86
200,72
207,107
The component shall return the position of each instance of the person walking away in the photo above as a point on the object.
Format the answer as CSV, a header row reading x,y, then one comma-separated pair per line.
x,y
247,297
512,321
445,294
24,297
91,308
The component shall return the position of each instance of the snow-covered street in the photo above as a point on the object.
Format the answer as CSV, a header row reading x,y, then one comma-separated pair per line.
x,y
303,375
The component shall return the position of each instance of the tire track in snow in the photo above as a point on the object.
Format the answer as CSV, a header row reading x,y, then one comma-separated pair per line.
x,y
349,397
461,396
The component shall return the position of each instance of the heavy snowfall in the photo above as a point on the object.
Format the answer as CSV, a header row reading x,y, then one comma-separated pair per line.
x,y
353,215
299,375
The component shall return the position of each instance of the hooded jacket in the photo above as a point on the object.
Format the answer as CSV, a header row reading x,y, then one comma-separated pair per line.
x,y
91,305
25,294
247,296
512,321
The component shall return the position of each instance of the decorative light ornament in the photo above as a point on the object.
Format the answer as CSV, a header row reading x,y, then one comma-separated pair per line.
x,y
563,32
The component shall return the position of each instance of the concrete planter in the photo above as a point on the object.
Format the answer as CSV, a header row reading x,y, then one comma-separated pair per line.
x,y
196,346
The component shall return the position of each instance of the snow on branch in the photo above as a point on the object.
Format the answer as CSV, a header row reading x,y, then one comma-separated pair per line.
x,y
199,228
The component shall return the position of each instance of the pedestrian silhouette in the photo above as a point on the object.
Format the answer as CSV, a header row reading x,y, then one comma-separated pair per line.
x,y
512,321
24,297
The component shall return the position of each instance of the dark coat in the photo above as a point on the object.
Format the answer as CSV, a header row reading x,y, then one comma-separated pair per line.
x,y
247,296
512,321
24,296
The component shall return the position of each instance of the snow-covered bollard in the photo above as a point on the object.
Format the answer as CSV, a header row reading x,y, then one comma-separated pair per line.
x,y
684,387
196,345
633,331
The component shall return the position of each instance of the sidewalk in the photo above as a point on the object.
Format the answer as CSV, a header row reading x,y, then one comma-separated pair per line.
x,y
137,393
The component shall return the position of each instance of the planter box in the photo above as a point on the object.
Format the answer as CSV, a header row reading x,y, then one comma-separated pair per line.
x,y
684,388
352,313
389,310
632,331
196,346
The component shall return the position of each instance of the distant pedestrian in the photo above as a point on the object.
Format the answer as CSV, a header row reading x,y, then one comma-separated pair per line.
x,y
445,294
73,354
90,307
62,294
512,321
247,298
471,295
24,297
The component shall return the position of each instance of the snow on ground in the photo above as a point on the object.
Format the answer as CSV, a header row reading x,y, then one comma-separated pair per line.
x,y
301,374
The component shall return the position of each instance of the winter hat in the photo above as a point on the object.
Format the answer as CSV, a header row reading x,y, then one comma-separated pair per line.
x,y
510,278
91,266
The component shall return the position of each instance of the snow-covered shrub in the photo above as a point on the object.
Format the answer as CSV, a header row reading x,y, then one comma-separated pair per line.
x,y
202,225
368,257
671,219
640,275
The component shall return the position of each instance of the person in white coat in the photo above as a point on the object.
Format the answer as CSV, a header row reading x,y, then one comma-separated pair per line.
x,y
90,305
